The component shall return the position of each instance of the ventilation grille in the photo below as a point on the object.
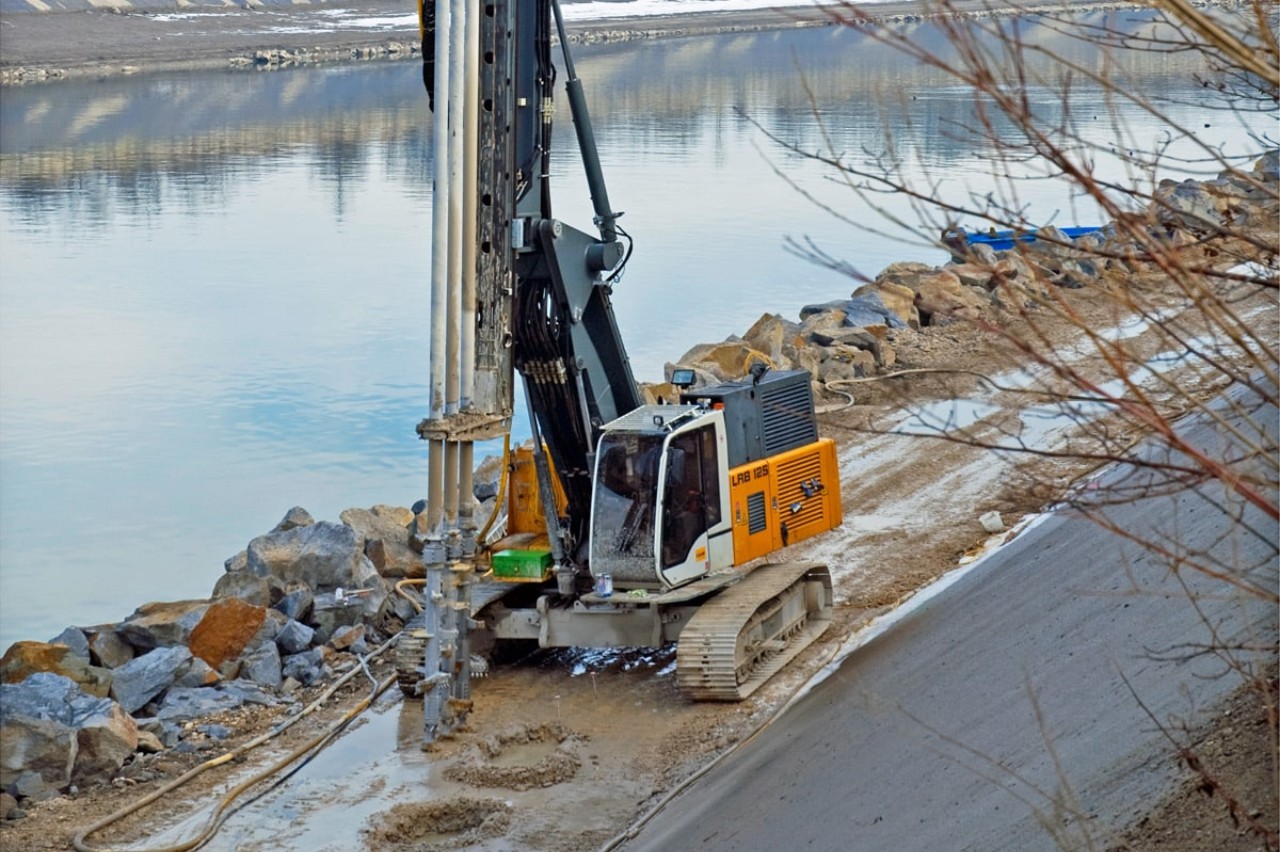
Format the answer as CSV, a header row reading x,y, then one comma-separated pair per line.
x,y
798,510
757,520
787,413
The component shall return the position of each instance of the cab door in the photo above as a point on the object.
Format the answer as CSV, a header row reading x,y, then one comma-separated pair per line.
x,y
690,504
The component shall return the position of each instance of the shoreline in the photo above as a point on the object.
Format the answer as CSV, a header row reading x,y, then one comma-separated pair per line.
x,y
105,43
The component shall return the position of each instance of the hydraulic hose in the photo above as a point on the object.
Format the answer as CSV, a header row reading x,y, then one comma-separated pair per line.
x,y
220,813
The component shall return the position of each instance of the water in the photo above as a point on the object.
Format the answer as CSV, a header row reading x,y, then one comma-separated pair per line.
x,y
214,295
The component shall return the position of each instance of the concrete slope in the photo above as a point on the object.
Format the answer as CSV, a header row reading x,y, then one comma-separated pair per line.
x,y
929,738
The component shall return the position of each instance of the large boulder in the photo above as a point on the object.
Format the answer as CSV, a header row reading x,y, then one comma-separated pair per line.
x,y
306,668
197,673
24,659
731,359
162,624
940,297
772,335
107,648
294,518
972,274
892,293
1267,167
245,585
75,639
52,734
262,666
324,555
183,703
331,612
297,602
486,478
294,638
1186,205
226,629
143,678
384,537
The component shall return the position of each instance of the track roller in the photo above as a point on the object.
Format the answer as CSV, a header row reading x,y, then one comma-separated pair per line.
x,y
744,635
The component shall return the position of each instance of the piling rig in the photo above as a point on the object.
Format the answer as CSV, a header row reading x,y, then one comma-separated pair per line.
x,y
629,524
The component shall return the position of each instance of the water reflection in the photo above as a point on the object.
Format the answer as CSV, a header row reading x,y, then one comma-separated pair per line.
x,y
214,291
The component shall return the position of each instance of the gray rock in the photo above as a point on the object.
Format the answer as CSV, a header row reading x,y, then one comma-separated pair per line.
x,y
106,736
214,732
149,743
984,254
7,803
53,734
869,309
143,678
262,666
36,755
168,733
73,638
197,673
306,668
386,537
272,623
1187,205
378,606
401,608
162,624
294,638
330,614
324,556
294,518
239,562
244,585
345,638
249,693
107,648
297,603
1077,273
1267,168
183,703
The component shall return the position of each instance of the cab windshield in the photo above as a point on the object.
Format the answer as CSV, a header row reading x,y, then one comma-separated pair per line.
x,y
625,503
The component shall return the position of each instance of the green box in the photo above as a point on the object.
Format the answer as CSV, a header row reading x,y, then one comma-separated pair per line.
x,y
532,566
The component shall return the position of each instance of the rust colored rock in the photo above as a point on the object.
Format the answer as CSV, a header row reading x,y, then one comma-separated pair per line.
x,y
226,629
24,659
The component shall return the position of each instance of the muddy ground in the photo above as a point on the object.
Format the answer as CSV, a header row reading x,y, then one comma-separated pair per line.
x,y
563,750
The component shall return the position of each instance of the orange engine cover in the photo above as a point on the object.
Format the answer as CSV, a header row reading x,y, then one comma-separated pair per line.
x,y
784,499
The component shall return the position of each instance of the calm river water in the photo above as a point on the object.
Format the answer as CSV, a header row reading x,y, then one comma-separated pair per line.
x,y
214,295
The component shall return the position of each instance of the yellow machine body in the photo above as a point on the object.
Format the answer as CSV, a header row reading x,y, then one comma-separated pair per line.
x,y
784,499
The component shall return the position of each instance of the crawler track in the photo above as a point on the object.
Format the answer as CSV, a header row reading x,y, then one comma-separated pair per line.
x,y
747,633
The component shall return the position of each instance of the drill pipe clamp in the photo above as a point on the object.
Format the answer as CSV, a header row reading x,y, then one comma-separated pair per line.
x,y
465,427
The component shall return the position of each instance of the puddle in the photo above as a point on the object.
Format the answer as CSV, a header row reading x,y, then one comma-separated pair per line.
x,y
367,768
947,415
